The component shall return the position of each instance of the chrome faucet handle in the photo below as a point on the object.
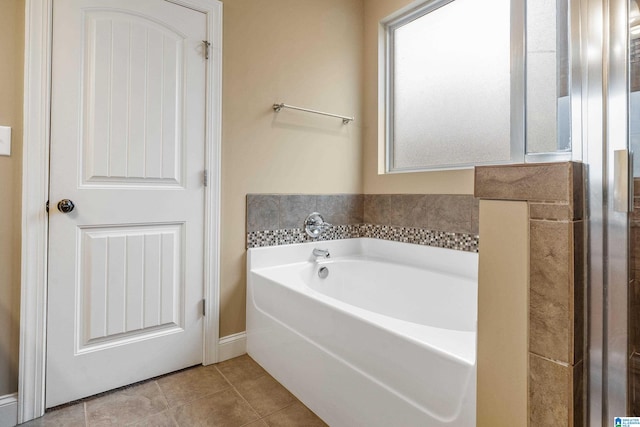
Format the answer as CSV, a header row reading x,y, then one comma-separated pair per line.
x,y
315,225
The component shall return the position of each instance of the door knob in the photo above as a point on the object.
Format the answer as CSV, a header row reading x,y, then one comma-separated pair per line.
x,y
65,206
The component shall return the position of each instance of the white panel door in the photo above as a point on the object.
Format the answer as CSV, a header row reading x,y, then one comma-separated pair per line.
x,y
127,148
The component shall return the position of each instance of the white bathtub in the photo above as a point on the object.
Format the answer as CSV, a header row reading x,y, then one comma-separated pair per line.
x,y
387,339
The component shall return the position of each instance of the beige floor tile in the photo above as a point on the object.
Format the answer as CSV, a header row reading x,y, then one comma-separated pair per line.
x,y
192,384
240,369
294,416
71,416
161,419
225,408
200,396
265,394
126,406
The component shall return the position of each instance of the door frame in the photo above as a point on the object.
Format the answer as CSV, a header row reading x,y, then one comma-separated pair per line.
x,y
35,194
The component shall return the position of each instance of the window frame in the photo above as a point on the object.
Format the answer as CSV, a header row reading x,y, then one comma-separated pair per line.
x,y
386,77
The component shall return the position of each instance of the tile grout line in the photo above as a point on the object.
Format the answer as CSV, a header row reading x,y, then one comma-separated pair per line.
x,y
136,420
240,394
188,402
163,394
168,408
175,422
262,417
285,407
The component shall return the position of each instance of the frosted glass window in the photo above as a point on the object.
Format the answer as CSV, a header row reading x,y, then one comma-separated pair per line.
x,y
449,86
548,77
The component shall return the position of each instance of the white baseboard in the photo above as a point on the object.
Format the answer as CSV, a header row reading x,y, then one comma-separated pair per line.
x,y
231,346
9,410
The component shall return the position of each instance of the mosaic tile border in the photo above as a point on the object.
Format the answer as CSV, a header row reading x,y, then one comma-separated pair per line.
x,y
419,236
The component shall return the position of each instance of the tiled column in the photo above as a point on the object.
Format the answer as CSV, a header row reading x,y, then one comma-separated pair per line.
x,y
555,195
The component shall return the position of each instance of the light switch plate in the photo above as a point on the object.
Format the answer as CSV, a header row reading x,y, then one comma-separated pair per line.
x,y
5,141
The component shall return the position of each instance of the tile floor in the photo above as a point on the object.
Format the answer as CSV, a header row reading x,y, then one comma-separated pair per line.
x,y
234,393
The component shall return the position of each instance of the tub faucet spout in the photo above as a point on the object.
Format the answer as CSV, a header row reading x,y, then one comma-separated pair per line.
x,y
321,253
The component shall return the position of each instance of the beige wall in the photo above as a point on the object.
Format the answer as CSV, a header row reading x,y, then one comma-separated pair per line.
x,y
11,51
300,52
447,182
305,53
503,301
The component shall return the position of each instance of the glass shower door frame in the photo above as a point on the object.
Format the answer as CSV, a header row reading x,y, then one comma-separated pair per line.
x,y
606,145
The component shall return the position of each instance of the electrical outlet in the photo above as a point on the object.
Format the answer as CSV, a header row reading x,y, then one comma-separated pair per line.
x,y
5,141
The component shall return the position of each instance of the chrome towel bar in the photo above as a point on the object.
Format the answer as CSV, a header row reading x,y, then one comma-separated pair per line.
x,y
280,106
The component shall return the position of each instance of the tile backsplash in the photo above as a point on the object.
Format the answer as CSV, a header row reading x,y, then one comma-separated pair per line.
x,y
437,212
285,211
449,221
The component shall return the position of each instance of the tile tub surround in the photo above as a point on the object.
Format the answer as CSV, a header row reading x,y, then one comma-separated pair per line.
x,y
448,221
555,196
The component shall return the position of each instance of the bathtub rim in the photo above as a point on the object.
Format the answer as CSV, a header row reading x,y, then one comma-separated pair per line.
x,y
411,254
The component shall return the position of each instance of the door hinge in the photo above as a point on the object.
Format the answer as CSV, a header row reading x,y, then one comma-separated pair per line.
x,y
47,207
205,177
206,48
204,307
